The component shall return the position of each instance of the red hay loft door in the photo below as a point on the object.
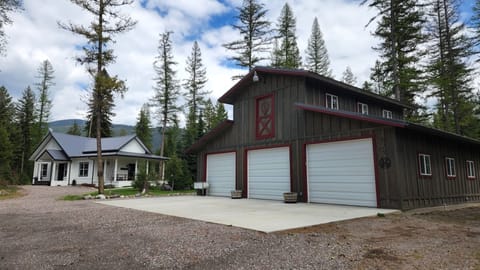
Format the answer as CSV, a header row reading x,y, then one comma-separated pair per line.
x,y
265,117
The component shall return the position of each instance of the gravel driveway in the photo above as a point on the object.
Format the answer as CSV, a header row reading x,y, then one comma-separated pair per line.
x,y
38,231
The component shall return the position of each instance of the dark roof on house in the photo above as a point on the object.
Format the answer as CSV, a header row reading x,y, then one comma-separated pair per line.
x,y
77,146
230,95
212,134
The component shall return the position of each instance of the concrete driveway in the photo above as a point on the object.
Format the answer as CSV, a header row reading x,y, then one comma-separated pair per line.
x,y
260,215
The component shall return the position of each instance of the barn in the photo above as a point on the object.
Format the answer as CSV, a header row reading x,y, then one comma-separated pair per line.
x,y
297,131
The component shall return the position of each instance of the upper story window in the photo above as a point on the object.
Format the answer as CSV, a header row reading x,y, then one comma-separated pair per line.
x,y
450,167
362,108
424,165
265,117
470,169
331,101
387,114
83,169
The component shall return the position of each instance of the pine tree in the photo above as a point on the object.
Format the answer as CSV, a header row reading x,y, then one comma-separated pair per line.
x,y
348,77
317,54
26,119
100,33
143,127
287,55
75,129
195,95
106,125
45,74
448,73
399,28
166,89
475,22
7,111
254,31
220,114
6,7
209,115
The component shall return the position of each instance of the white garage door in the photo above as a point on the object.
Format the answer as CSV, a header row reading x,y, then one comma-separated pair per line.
x,y
221,174
342,173
268,173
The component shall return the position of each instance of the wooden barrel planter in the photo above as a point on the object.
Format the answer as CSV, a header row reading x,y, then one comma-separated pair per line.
x,y
236,194
290,197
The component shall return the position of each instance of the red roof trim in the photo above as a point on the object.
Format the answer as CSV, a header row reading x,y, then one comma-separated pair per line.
x,y
350,115
209,136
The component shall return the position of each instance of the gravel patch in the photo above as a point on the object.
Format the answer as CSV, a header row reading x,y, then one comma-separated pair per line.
x,y
38,231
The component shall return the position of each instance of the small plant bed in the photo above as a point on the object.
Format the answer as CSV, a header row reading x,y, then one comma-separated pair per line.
x,y
9,192
127,193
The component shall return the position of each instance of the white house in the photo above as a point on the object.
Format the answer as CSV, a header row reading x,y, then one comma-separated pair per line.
x,y
62,159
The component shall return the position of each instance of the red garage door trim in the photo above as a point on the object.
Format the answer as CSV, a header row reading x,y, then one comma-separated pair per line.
x,y
374,145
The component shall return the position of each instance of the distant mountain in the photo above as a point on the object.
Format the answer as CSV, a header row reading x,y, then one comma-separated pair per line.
x,y
62,126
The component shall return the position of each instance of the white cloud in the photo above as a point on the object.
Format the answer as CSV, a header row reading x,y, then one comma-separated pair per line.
x,y
35,36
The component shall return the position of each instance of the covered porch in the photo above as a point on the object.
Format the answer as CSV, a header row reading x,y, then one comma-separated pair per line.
x,y
52,169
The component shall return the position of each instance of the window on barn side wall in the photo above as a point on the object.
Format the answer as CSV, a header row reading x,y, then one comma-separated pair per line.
x,y
470,169
362,108
83,169
331,101
424,165
387,114
450,167
265,117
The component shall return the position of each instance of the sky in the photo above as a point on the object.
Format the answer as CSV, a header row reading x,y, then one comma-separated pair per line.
x,y
35,36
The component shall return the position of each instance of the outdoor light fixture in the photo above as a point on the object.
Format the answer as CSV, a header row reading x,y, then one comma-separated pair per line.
x,y
255,76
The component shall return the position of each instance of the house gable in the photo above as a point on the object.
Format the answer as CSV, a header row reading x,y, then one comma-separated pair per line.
x,y
134,146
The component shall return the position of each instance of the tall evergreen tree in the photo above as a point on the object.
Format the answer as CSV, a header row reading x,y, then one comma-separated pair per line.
x,y
107,22
166,89
220,114
106,125
75,129
6,7
348,77
195,95
475,21
317,54
143,127
400,24
287,55
209,115
45,74
254,31
26,119
449,74
7,112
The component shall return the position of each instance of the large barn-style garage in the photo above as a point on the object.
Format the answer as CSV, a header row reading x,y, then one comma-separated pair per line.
x,y
329,142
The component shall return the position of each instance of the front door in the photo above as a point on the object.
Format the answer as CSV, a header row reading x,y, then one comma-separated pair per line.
x,y
62,171
131,171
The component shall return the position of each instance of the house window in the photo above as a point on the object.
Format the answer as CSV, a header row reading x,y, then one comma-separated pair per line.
x,y
387,114
424,164
265,117
470,169
450,167
331,101
44,170
362,108
83,169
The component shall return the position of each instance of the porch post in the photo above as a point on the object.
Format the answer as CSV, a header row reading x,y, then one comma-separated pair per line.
x,y
52,177
115,170
146,168
136,170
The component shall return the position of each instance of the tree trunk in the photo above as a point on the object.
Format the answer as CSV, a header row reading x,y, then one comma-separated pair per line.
x,y
98,101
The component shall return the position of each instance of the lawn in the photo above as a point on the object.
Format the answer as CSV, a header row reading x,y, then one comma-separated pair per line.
x,y
9,192
128,192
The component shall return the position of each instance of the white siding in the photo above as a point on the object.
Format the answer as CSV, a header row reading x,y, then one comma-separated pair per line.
x,y
74,175
221,174
342,173
133,147
268,173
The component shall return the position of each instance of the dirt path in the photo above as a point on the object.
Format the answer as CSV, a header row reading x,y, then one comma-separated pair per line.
x,y
38,231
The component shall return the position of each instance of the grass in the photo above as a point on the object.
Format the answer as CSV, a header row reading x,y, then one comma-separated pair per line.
x,y
9,192
126,192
